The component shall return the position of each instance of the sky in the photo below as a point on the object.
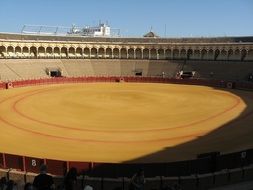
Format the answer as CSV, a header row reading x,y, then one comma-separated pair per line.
x,y
167,18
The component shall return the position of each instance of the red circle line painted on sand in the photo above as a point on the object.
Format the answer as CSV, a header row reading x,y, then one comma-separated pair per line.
x,y
92,140
106,141
14,106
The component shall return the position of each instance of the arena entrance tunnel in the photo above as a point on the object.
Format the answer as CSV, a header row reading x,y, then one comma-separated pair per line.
x,y
54,72
233,136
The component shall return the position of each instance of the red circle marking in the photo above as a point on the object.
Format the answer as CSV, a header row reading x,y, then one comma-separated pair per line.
x,y
28,94
14,106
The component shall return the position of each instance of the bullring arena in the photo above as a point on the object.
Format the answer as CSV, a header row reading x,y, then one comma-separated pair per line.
x,y
95,120
82,100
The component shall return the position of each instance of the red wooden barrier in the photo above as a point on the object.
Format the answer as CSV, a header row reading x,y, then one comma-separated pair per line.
x,y
33,164
2,85
2,161
81,167
56,167
243,85
61,80
14,161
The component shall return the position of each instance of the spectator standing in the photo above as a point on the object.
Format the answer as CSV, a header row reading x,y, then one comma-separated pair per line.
x,y
28,186
70,180
3,183
11,185
43,181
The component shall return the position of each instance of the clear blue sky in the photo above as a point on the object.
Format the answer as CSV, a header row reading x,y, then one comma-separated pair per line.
x,y
183,18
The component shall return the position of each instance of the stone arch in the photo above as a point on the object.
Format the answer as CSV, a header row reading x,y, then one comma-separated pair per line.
x,y
64,52
71,52
168,54
161,54
216,54
131,53
183,54
10,51
138,53
189,54
230,54
196,54
243,54
101,52
176,54
33,52
25,51
57,52
2,51
204,54
93,52
49,52
153,53
115,53
249,56
146,53
41,52
236,55
108,53
18,51
222,55
86,52
211,54
79,52
123,53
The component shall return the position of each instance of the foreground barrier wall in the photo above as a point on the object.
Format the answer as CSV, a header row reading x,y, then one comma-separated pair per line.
x,y
2,85
191,182
182,168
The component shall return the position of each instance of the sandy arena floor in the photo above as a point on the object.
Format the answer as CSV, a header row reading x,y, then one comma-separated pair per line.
x,y
118,122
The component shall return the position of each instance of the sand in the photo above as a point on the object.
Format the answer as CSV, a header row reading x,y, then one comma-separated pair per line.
x,y
118,122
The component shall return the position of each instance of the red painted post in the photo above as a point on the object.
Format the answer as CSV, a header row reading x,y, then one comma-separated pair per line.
x,y
4,161
24,164
91,166
67,166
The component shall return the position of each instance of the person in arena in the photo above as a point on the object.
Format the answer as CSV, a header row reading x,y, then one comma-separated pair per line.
x,y
43,181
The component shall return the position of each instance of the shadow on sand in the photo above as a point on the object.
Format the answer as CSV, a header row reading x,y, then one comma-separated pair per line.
x,y
234,136
229,140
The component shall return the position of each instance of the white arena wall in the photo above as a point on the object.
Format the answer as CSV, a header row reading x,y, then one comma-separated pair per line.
x,y
18,69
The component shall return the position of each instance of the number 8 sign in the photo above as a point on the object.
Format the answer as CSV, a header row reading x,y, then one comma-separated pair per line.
x,y
34,163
